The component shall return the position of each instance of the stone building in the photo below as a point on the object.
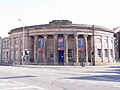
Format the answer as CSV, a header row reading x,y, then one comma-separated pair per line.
x,y
0,48
117,42
62,43
5,51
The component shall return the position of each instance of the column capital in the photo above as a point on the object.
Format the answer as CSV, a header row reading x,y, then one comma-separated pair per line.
x,y
85,35
45,35
65,35
76,35
35,36
55,35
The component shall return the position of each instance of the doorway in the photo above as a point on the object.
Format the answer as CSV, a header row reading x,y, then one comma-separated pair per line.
x,y
61,57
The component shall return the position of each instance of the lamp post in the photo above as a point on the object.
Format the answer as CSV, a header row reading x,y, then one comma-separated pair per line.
x,y
23,41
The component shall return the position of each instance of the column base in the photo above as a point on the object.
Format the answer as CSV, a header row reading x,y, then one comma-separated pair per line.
x,y
105,63
76,64
55,63
66,64
72,64
88,64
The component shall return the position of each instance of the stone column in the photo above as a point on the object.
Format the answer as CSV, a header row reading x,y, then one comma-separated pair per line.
x,y
1,49
35,49
9,62
113,49
76,48
45,49
27,44
86,48
19,51
13,51
108,47
66,49
55,49
102,48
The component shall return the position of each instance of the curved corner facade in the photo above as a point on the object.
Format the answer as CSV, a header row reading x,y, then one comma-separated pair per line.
x,y
62,43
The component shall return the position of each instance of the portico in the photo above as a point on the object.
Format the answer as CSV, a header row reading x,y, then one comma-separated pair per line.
x,y
60,49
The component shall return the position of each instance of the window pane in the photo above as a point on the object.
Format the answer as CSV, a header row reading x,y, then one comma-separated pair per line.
x,y
99,52
106,52
111,52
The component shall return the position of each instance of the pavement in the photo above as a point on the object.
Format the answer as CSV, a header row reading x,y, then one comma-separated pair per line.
x,y
36,77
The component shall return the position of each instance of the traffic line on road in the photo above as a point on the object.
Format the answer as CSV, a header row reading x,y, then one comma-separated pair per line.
x,y
25,87
18,83
17,86
116,85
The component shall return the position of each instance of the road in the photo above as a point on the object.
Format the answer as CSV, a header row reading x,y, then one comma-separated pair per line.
x,y
60,78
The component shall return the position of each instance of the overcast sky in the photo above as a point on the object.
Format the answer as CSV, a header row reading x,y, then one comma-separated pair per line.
x,y
35,12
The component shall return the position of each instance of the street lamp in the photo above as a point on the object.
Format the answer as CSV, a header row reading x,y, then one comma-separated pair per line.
x,y
23,53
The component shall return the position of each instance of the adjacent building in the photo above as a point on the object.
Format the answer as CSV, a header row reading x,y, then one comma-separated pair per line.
x,y
0,48
62,43
5,51
117,43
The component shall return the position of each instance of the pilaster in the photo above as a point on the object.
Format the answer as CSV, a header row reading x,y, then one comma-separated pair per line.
x,y
19,50
113,49
102,48
108,48
13,51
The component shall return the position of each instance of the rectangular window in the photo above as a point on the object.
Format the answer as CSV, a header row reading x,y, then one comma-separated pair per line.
x,y
7,44
7,55
3,55
12,54
111,52
16,54
4,44
99,52
16,43
106,52
51,54
70,53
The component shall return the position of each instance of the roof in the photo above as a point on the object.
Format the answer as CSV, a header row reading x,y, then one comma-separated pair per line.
x,y
62,24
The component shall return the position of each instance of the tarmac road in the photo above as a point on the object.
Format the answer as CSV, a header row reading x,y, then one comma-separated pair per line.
x,y
60,78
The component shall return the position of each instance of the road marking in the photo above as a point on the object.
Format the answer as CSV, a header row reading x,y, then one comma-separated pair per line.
x,y
116,85
18,83
6,84
16,88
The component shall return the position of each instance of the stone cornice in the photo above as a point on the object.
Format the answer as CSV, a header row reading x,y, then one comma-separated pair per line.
x,y
72,26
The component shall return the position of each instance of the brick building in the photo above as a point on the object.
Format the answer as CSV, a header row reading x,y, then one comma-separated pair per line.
x,y
62,43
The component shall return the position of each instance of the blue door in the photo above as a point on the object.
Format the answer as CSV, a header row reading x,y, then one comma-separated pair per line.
x,y
61,57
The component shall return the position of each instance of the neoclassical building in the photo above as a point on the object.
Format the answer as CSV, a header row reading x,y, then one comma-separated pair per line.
x,y
62,43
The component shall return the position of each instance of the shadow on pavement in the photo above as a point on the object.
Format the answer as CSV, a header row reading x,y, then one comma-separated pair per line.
x,y
114,67
112,75
112,78
12,77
